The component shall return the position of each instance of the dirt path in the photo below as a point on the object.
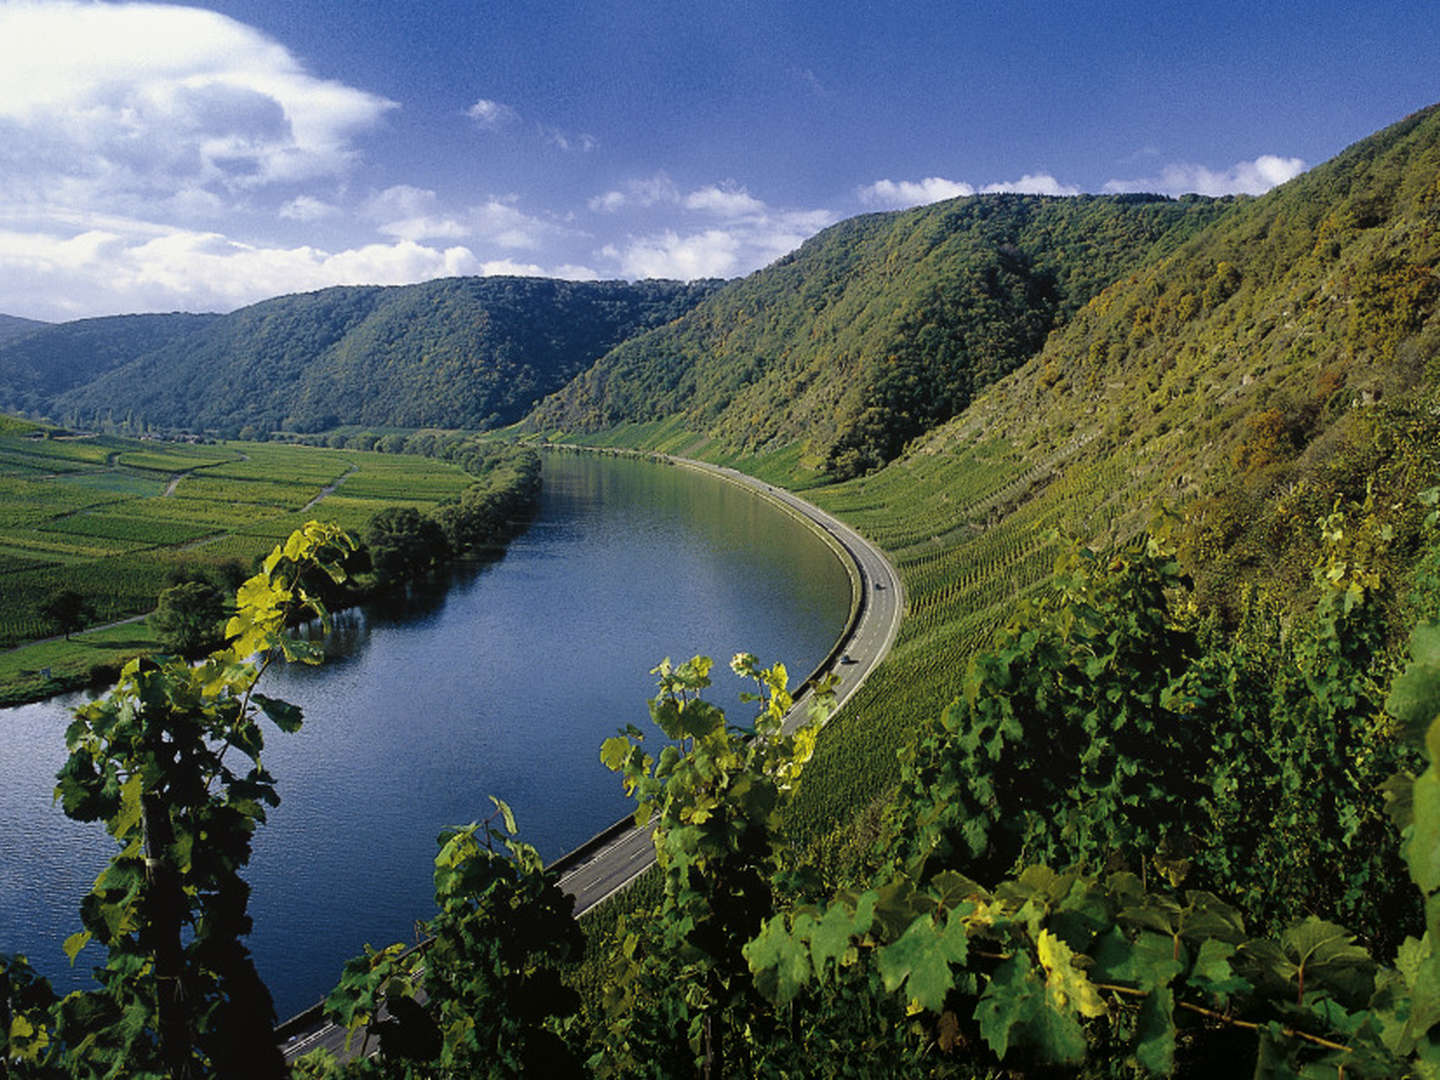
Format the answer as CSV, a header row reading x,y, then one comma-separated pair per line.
x,y
329,489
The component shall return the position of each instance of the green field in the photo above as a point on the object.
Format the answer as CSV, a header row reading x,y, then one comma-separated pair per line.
x,y
111,518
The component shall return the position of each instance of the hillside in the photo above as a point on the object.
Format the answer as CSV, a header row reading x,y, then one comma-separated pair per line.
x,y
461,352
12,326
878,328
50,358
1277,367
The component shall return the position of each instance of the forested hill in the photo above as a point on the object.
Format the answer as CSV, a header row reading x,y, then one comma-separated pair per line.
x,y
12,327
880,327
460,352
51,358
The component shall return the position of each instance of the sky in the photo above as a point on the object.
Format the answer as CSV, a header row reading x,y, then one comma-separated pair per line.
x,y
203,156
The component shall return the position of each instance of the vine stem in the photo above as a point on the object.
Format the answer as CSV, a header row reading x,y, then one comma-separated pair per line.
x,y
1212,1014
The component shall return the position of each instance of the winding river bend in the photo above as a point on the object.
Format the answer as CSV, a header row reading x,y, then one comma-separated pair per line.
x,y
502,679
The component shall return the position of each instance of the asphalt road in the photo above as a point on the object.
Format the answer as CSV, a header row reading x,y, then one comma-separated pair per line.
x,y
620,854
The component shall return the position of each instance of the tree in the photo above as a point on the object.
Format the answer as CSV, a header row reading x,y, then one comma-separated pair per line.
x,y
187,618
403,543
68,610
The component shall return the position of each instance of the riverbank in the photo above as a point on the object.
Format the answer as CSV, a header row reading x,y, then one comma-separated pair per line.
x,y
477,523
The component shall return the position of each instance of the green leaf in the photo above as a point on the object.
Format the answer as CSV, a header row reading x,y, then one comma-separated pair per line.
x,y
506,815
779,959
1146,963
287,717
1155,1032
75,942
1415,694
920,960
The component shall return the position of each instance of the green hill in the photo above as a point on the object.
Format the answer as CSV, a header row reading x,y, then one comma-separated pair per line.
x,y
1277,366
461,352
49,358
12,327
879,328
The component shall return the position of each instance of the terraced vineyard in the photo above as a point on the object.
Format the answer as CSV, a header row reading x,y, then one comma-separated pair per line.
x,y
971,524
111,518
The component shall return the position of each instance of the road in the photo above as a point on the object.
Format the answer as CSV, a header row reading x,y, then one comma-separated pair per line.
x,y
627,853
618,855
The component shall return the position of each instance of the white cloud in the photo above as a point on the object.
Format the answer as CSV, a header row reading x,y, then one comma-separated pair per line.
x,y
749,233
898,194
411,213
566,141
496,267
307,208
901,193
1243,178
724,201
120,104
647,192
102,271
491,114
1033,184
712,253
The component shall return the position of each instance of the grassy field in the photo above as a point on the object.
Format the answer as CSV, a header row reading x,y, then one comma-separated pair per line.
x,y
113,518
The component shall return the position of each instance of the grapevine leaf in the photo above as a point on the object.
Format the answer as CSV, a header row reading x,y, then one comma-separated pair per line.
x,y
1422,848
833,933
1066,986
287,717
1155,1032
1212,971
919,960
1415,694
779,960
1146,963
1010,1000
614,751
75,942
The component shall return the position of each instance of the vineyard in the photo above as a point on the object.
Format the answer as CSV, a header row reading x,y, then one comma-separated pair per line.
x,y
113,518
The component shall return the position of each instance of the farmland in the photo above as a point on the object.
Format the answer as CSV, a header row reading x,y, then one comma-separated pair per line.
x,y
114,518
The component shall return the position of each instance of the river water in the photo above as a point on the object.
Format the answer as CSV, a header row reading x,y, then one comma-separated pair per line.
x,y
502,679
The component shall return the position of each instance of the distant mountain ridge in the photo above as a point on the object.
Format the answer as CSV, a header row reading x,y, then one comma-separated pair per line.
x,y
458,352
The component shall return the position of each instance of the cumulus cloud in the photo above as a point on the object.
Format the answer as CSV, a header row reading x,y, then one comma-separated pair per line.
x,y
1033,184
724,201
102,271
718,230
898,194
307,208
712,253
121,103
1243,178
412,213
491,114
120,266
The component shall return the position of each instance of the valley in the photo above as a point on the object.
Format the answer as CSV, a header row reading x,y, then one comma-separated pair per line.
x,y
1160,480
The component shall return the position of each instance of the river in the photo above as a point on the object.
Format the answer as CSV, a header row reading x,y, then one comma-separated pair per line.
x,y
501,679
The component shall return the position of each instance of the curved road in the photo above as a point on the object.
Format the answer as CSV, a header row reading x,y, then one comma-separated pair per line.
x,y
618,855
626,852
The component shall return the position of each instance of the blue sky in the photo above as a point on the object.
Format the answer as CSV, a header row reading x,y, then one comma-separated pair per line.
x,y
203,156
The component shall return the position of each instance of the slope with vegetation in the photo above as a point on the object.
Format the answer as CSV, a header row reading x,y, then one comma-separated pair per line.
x,y
879,327
465,352
49,358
